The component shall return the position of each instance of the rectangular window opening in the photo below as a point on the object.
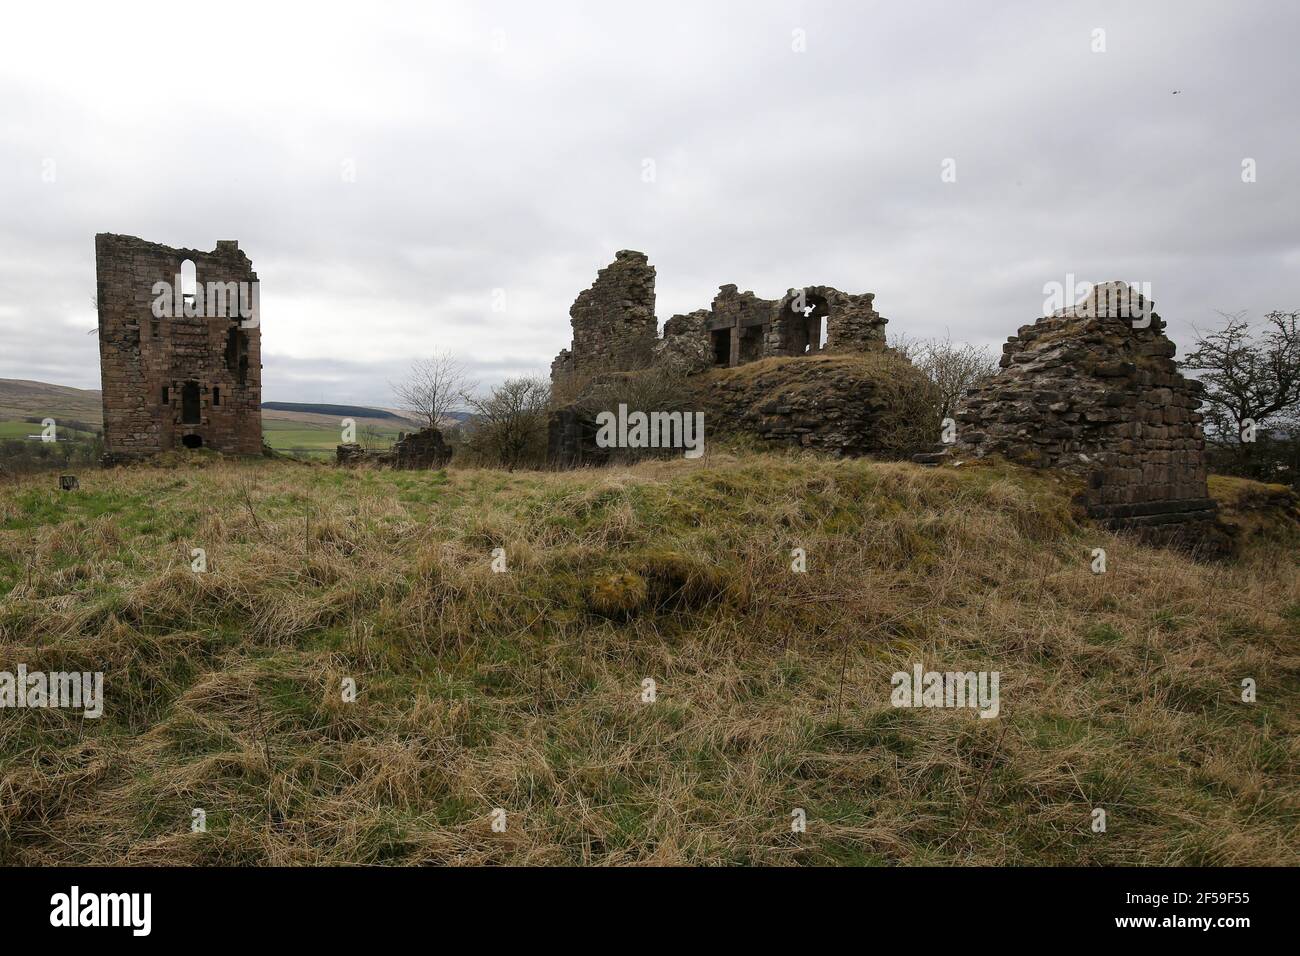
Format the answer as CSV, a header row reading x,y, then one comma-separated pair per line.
x,y
190,404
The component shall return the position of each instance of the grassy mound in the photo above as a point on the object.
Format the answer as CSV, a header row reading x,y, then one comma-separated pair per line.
x,y
852,402
1254,509
523,689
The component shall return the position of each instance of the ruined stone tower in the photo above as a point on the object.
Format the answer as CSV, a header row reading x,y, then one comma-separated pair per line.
x,y
1093,390
179,348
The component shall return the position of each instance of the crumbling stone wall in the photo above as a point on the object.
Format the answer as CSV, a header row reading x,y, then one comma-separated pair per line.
x,y
856,326
839,409
420,450
1093,390
739,327
684,349
175,381
562,367
571,439
614,325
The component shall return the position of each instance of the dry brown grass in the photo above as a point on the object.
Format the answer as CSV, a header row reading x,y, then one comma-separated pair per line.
x,y
522,690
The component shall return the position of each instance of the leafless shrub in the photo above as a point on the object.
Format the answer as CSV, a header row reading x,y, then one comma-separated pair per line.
x,y
953,367
434,388
509,423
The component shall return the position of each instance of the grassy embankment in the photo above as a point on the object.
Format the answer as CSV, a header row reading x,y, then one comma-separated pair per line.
x,y
523,690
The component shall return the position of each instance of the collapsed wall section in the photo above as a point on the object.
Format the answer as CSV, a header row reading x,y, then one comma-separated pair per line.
x,y
1094,391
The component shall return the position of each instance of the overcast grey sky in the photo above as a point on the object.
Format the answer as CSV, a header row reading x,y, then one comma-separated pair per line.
x,y
503,146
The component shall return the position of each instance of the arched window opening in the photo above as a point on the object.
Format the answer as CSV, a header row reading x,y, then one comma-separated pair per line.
x,y
189,280
807,327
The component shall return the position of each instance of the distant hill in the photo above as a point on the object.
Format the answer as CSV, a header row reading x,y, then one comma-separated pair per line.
x,y
343,411
22,399
330,414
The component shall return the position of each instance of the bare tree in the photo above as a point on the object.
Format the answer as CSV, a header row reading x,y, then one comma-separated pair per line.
x,y
1248,376
952,367
433,388
509,424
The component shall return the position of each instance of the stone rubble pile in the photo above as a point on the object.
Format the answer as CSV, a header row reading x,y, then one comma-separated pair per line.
x,y
420,450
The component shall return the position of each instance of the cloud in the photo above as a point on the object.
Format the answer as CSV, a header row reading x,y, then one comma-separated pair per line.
x,y
501,147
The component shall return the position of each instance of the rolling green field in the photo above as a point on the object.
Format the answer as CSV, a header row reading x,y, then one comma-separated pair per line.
x,y
518,691
18,429
309,440
303,439
12,429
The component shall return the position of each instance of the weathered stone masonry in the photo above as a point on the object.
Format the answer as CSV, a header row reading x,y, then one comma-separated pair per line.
x,y
1094,391
415,451
615,330
614,325
836,403
740,328
177,381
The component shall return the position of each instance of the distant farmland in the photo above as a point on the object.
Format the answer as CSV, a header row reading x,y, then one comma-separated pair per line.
x,y
294,428
308,438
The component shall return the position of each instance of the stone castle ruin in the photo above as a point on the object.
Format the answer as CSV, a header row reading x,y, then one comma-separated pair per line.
x,y
615,329
1093,391
836,399
179,348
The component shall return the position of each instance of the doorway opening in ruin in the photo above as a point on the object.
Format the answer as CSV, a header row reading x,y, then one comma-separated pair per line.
x,y
806,328
190,404
192,441
721,341
751,343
